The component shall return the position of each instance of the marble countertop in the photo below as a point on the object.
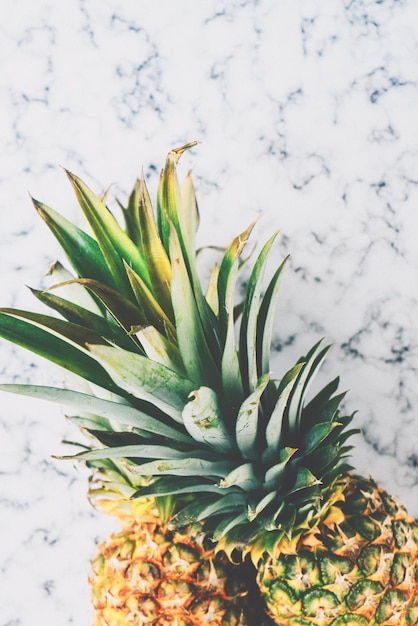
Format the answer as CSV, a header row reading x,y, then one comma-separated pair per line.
x,y
306,111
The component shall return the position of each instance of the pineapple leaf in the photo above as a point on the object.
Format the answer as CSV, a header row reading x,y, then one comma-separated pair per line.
x,y
82,251
315,436
208,506
227,524
312,363
323,413
158,348
169,201
228,272
246,430
211,292
130,215
185,467
54,348
275,424
255,510
150,307
86,422
227,278
153,251
189,216
147,451
275,473
114,243
304,480
166,507
243,477
112,410
67,330
173,215
265,322
326,457
165,485
146,379
264,543
197,358
122,309
316,404
248,331
105,327
202,419
73,292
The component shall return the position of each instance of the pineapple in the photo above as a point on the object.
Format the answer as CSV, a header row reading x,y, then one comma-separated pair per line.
x,y
147,574
183,409
358,565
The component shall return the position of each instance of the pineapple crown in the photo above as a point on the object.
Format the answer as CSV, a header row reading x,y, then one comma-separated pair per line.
x,y
181,404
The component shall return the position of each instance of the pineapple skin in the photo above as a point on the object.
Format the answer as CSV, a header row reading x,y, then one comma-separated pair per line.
x,y
357,566
147,574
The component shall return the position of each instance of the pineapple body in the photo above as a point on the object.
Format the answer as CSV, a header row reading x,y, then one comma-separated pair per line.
x,y
146,574
358,566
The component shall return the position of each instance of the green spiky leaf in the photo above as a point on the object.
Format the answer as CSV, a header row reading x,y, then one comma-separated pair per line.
x,y
248,331
164,485
146,379
81,249
246,430
106,327
53,347
202,418
115,244
158,262
312,363
113,410
197,358
226,287
275,425
158,348
243,477
186,467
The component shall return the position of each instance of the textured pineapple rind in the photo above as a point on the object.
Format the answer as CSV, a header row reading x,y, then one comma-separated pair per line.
x,y
146,574
358,567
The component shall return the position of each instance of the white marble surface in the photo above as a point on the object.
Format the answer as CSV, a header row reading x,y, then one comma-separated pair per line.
x,y
306,110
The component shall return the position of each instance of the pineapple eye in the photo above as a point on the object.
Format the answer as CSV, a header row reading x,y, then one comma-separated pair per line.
x,y
127,549
281,592
180,555
368,528
208,608
174,592
402,564
391,605
401,533
364,593
98,564
144,606
333,566
143,575
412,613
208,569
301,567
319,603
371,558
